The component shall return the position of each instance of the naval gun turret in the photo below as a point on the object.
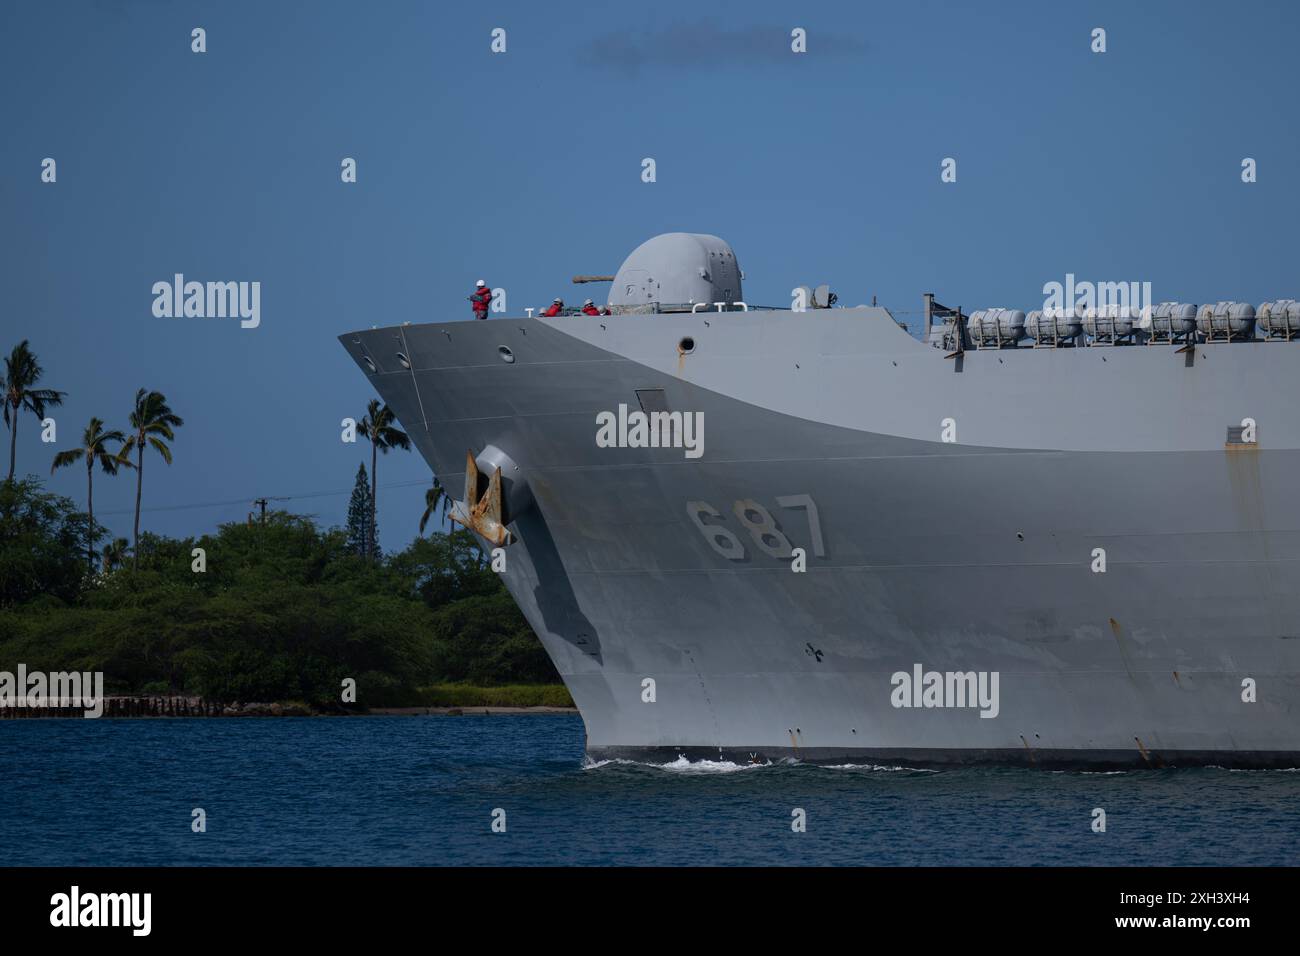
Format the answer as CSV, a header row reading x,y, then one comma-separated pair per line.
x,y
674,272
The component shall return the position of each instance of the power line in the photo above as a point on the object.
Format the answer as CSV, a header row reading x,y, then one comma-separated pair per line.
x,y
253,498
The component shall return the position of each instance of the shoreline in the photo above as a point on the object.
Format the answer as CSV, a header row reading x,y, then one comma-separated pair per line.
x,y
164,707
49,713
467,711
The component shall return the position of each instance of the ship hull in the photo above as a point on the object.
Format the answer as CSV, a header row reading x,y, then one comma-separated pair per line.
x,y
664,590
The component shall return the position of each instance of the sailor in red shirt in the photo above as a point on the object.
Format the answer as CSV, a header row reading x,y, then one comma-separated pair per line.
x,y
589,309
481,299
556,306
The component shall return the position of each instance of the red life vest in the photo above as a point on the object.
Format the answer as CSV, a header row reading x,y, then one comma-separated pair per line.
x,y
554,310
482,298
590,310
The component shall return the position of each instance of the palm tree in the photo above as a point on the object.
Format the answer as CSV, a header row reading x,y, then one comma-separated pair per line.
x,y
153,421
115,553
433,496
94,448
22,371
378,428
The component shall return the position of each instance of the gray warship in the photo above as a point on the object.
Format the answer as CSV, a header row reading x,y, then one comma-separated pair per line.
x,y
1040,538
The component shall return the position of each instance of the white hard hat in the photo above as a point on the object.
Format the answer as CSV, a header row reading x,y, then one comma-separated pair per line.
x,y
480,282
557,299
588,302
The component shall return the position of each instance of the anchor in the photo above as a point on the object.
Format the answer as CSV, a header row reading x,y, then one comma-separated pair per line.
x,y
485,515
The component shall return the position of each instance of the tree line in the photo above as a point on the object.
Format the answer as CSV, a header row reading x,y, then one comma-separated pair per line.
x,y
282,610
152,425
151,420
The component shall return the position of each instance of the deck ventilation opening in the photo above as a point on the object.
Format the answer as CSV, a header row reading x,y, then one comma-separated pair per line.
x,y
507,356
686,346
370,363
403,360
652,400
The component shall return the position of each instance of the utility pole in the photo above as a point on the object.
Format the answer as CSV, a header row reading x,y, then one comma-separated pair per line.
x,y
261,504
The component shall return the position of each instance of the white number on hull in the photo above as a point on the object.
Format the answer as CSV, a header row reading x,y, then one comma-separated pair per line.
x,y
719,538
762,527
814,521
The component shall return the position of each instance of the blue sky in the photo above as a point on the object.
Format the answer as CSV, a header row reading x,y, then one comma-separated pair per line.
x,y
524,169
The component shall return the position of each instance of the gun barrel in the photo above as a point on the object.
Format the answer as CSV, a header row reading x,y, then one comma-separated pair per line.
x,y
578,280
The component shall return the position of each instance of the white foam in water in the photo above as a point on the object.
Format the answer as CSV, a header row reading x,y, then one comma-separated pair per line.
x,y
680,765
878,768
1257,769
684,765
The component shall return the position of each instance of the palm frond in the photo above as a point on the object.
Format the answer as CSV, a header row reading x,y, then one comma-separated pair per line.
x,y
108,463
377,427
152,421
152,412
432,496
395,438
21,373
94,448
161,447
65,458
37,400
21,367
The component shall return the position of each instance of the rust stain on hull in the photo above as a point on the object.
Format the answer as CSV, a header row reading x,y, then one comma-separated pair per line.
x,y
1119,643
1245,479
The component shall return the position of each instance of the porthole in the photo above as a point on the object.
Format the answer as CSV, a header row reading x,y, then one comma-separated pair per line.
x,y
370,363
403,360
686,346
507,356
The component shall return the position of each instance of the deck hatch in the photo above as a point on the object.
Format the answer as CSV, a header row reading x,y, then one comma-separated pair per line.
x,y
652,400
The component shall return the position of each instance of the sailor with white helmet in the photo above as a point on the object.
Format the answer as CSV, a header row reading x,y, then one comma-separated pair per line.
x,y
481,299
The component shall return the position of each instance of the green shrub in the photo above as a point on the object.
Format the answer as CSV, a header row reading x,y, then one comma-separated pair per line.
x,y
509,695
283,612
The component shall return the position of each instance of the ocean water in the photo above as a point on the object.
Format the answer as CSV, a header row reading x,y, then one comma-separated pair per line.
x,y
422,790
